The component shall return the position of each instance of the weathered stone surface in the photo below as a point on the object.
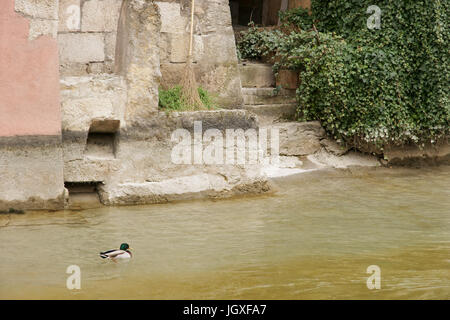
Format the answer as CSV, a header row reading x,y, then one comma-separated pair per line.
x,y
215,16
81,47
183,188
265,96
273,113
93,102
214,50
88,170
42,27
30,119
299,138
137,57
100,15
324,159
96,68
412,155
69,15
333,147
150,176
73,69
171,19
179,48
32,173
256,75
78,113
110,46
84,99
219,48
223,82
44,9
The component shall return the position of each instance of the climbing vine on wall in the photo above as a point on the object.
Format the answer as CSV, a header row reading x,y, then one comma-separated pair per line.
x,y
386,85
370,86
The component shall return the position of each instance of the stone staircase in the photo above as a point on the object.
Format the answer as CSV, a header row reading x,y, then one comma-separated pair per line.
x,y
276,109
261,96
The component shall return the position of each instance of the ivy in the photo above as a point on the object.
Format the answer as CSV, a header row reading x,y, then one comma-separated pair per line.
x,y
379,87
256,43
369,88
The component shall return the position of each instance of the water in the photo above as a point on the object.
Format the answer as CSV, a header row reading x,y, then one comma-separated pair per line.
x,y
313,239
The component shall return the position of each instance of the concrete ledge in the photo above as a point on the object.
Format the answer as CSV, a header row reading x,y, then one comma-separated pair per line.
x,y
178,189
270,114
31,174
265,96
257,75
412,155
300,138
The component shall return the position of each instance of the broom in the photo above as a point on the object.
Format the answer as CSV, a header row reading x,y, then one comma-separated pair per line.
x,y
188,83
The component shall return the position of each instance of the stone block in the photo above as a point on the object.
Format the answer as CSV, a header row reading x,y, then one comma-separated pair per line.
x,y
171,19
43,9
257,75
265,96
81,47
31,168
413,155
42,27
73,69
137,57
96,67
110,46
219,48
300,138
100,15
214,17
179,48
273,113
333,147
79,113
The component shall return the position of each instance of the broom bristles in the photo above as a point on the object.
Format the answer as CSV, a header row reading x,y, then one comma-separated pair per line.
x,y
189,87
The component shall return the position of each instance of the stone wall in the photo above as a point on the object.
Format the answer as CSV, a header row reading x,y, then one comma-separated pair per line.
x,y
114,136
87,33
87,36
215,58
31,165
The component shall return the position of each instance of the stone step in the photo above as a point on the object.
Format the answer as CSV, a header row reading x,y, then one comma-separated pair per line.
x,y
256,75
273,113
264,96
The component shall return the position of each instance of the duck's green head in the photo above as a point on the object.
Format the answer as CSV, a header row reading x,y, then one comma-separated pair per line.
x,y
124,246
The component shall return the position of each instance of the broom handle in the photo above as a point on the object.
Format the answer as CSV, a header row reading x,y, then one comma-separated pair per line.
x,y
192,28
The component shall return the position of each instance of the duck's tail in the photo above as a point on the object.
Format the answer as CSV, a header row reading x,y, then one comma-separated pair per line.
x,y
103,255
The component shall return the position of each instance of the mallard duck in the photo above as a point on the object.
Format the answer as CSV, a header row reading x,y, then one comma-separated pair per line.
x,y
122,253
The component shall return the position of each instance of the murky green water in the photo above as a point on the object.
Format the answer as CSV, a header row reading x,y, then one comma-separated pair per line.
x,y
314,239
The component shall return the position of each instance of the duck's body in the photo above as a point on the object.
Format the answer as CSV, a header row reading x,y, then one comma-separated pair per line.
x,y
116,254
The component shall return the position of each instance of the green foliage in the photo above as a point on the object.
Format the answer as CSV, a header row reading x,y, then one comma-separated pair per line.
x,y
297,18
171,99
367,87
378,86
256,43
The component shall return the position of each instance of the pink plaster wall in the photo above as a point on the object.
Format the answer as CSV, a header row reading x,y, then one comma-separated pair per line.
x,y
29,78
